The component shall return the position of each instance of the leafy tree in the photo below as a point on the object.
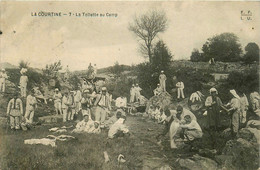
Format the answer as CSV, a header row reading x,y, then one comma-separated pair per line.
x,y
252,53
148,73
224,47
242,82
161,57
146,27
52,69
74,81
197,56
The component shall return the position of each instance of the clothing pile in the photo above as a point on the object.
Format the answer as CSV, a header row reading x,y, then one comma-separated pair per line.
x,y
50,140
59,130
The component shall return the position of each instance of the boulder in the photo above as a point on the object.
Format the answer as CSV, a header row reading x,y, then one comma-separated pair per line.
x,y
197,162
155,163
226,161
243,154
162,100
250,134
253,124
208,152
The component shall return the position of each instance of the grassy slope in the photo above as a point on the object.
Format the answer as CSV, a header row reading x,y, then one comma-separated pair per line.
x,y
87,151
84,153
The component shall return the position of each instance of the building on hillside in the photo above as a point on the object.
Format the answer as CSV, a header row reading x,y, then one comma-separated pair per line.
x,y
220,76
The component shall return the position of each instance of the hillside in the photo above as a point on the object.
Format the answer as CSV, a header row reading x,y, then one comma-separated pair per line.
x,y
6,65
219,67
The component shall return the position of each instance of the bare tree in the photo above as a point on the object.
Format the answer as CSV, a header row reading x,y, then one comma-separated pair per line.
x,y
146,27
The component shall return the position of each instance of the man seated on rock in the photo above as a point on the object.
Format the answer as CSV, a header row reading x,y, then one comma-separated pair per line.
x,y
96,128
142,100
157,113
118,129
39,95
114,118
150,111
169,119
85,125
191,129
162,118
121,102
158,90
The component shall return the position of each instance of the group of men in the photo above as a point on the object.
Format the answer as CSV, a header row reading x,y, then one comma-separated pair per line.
x,y
157,114
237,108
92,71
182,124
94,107
15,110
161,86
135,93
22,83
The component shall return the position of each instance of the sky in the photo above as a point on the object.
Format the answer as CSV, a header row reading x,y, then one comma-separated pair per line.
x,y
77,41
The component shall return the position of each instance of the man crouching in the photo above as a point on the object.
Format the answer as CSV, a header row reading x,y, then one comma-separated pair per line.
x,y
191,129
118,129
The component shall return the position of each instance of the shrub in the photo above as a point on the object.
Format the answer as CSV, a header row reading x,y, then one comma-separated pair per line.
x,y
243,82
119,87
35,78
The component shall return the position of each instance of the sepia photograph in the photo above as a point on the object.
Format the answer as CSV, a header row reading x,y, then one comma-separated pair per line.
x,y
129,85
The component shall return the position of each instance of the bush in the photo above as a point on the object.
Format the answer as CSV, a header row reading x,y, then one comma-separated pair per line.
x,y
35,78
74,81
242,82
193,79
119,87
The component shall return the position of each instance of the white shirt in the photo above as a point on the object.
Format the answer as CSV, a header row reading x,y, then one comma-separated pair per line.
x,y
23,80
180,85
78,96
132,91
137,90
84,126
193,125
121,102
65,102
30,102
195,97
162,118
3,76
117,126
57,97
